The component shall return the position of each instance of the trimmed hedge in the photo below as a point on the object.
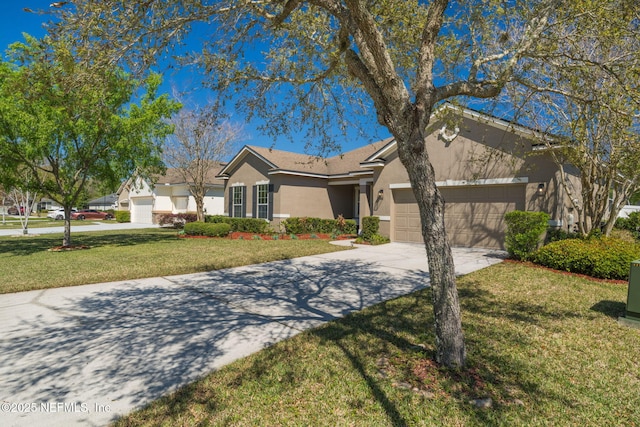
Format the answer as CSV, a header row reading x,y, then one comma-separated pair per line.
x,y
524,233
207,229
123,216
603,258
306,225
370,227
245,225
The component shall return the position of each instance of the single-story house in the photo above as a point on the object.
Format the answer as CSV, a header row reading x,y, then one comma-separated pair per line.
x,y
106,202
168,194
485,167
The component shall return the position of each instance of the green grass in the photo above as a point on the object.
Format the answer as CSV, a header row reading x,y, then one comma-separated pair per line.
x,y
26,263
545,347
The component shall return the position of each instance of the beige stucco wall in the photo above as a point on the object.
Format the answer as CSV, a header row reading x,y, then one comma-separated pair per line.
x,y
479,152
303,196
248,173
294,195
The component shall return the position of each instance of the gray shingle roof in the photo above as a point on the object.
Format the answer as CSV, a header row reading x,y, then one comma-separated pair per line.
x,y
173,175
336,165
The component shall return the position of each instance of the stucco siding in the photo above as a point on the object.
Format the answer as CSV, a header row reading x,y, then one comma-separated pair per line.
x,y
302,196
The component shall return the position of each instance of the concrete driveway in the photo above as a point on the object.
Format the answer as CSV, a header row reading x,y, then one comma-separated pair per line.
x,y
85,355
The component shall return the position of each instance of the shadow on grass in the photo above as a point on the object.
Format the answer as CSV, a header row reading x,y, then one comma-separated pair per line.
x,y
27,245
613,309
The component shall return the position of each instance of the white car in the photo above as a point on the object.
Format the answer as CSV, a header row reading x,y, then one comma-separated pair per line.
x,y
57,214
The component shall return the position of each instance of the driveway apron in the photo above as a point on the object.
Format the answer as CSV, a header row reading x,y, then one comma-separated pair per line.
x,y
86,355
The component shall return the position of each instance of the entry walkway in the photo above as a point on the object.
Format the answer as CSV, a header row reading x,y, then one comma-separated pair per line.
x,y
85,355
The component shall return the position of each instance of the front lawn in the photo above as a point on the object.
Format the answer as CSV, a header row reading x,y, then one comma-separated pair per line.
x,y
543,349
26,263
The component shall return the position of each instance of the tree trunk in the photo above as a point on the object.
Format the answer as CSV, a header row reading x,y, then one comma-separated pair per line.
x,y
66,240
450,349
199,207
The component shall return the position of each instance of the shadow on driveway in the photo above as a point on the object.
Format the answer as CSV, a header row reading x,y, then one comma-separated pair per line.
x,y
122,346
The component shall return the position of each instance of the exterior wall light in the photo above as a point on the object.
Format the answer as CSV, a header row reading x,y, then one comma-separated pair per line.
x,y
540,189
381,194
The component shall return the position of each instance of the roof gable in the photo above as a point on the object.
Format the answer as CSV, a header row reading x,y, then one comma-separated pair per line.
x,y
378,158
286,162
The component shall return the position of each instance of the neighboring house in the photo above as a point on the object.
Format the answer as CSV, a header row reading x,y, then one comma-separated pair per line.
x,y
485,167
106,202
46,204
627,209
168,195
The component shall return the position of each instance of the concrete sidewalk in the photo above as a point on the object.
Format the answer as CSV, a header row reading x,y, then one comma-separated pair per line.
x,y
85,355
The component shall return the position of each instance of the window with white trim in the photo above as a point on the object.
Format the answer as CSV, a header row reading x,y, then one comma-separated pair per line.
x,y
262,201
237,194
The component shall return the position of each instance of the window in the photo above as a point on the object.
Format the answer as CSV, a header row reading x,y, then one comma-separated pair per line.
x,y
262,195
237,202
181,203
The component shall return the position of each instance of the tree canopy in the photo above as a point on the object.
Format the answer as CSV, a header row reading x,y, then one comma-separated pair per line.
x,y
585,97
68,122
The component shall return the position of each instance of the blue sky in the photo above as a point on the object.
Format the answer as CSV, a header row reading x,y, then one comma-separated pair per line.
x,y
16,21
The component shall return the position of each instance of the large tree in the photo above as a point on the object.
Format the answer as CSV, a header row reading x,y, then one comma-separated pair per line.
x,y
201,140
585,96
68,122
313,64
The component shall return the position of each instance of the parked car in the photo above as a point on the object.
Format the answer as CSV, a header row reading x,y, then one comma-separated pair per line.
x,y
57,214
90,214
15,210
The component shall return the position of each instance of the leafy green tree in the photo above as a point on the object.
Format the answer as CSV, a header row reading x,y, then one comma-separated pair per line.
x,y
311,65
68,122
586,99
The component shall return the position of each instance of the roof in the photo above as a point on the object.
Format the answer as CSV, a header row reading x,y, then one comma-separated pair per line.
x,y
288,162
108,199
360,160
173,176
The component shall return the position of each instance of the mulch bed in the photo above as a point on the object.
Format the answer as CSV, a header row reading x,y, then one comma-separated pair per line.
x,y
237,235
568,273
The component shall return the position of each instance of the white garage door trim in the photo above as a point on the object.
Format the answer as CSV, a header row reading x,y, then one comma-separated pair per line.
x,y
462,183
142,210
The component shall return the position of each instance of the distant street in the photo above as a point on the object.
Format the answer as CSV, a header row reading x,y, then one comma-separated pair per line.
x,y
91,226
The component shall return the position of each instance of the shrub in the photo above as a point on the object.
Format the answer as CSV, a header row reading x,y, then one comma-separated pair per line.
x,y
177,220
207,229
524,231
370,227
625,235
604,258
632,224
378,239
244,225
123,216
307,225
555,234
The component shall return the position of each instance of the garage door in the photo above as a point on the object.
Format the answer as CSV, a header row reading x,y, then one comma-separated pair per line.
x,y
141,210
474,216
